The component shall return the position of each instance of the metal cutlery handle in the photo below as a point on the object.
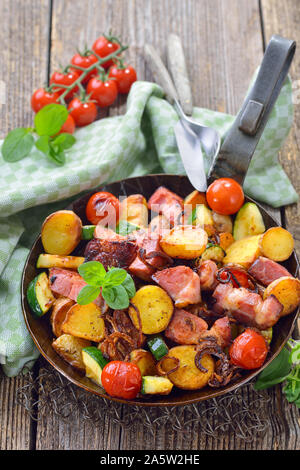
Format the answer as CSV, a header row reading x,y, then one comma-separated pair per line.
x,y
178,69
240,142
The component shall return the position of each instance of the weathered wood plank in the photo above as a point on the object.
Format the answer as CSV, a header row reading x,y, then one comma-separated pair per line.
x,y
23,68
283,18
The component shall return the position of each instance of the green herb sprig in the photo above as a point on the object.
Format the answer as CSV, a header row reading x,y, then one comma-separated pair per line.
x,y
47,124
285,368
115,285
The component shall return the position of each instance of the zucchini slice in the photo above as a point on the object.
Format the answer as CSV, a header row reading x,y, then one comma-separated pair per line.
x,y
87,232
59,261
158,347
203,216
248,222
156,385
213,252
94,363
39,295
125,228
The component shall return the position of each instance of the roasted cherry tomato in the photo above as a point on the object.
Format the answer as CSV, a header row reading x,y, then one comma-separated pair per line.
x,y
121,379
103,208
225,196
66,79
83,112
125,76
68,126
104,46
41,98
84,60
249,350
238,277
104,92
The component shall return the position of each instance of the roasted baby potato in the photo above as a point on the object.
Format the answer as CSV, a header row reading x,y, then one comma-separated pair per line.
x,y
144,360
154,307
226,239
70,349
58,315
184,241
244,251
159,224
188,376
134,209
58,261
287,290
195,198
277,244
85,321
223,223
61,232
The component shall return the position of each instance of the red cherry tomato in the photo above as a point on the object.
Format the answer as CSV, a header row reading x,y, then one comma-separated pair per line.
x,y
225,196
41,98
121,379
85,61
125,77
103,92
82,112
238,277
103,208
67,79
103,47
68,126
249,350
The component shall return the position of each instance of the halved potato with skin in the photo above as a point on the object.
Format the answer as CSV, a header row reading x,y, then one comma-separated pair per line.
x,y
187,376
144,360
70,349
184,241
85,321
154,307
59,312
287,290
277,244
134,209
61,232
244,251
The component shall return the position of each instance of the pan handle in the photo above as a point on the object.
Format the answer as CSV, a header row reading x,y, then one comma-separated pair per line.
x,y
240,142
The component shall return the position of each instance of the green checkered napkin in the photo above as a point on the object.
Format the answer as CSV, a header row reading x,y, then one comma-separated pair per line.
x,y
140,142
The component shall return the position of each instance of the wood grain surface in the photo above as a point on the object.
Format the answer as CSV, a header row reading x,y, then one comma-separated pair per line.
x,y
223,42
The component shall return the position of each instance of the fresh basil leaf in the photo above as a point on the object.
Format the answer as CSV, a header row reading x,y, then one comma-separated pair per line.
x,y
114,277
292,388
275,373
116,297
57,157
295,353
129,286
17,145
42,144
92,272
124,227
87,295
49,119
64,141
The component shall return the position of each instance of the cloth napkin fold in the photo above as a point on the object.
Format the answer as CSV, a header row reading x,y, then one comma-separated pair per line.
x,y
141,141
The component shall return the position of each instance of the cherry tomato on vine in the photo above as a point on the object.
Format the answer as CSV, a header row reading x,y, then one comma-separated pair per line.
x,y
249,350
225,196
104,46
121,379
104,92
125,76
103,208
42,97
65,79
83,112
84,60
68,126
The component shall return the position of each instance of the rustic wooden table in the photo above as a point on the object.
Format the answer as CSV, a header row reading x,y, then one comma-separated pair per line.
x,y
224,42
